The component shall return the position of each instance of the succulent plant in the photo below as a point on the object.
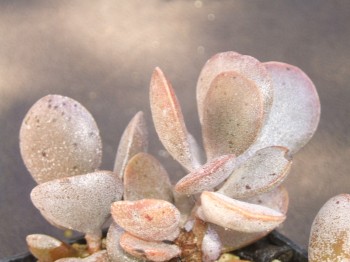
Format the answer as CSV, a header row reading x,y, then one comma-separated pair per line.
x,y
254,116
330,231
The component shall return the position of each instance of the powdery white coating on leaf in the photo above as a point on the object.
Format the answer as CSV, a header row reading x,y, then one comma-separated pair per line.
x,y
276,199
295,112
133,141
114,250
330,231
152,251
59,138
47,248
100,256
237,215
233,240
168,120
81,203
145,177
198,154
149,219
233,115
211,245
265,170
208,176
245,65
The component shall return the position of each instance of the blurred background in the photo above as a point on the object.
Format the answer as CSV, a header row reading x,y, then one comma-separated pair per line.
x,y
102,53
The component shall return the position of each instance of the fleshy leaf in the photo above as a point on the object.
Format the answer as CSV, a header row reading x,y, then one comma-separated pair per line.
x,y
133,141
233,240
237,215
168,120
149,219
295,112
266,169
207,177
247,66
277,199
80,203
46,248
100,256
152,251
59,138
233,115
145,177
114,250
330,231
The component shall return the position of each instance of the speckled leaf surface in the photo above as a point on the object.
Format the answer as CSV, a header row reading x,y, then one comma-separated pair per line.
x,y
114,250
59,138
277,199
168,119
47,248
233,115
237,215
134,140
149,219
207,177
152,251
145,177
330,231
295,112
81,203
266,169
100,256
245,65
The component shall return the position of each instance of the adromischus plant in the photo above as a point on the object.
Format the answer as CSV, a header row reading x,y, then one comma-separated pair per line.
x,y
330,231
254,117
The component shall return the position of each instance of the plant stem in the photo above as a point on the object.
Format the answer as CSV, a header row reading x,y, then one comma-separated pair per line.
x,y
94,241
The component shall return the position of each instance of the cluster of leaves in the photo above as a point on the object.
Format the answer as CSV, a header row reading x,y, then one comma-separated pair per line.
x,y
254,116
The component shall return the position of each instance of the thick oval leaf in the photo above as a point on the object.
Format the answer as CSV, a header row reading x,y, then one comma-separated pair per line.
x,y
80,203
134,140
59,138
233,115
149,219
152,251
330,231
237,215
265,170
168,120
114,250
295,112
245,65
145,177
207,177
46,248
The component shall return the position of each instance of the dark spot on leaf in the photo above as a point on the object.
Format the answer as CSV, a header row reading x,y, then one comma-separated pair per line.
x,y
91,134
168,242
55,107
75,105
75,167
54,120
148,217
49,106
75,144
337,202
247,187
62,114
141,251
273,174
44,154
288,68
63,103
